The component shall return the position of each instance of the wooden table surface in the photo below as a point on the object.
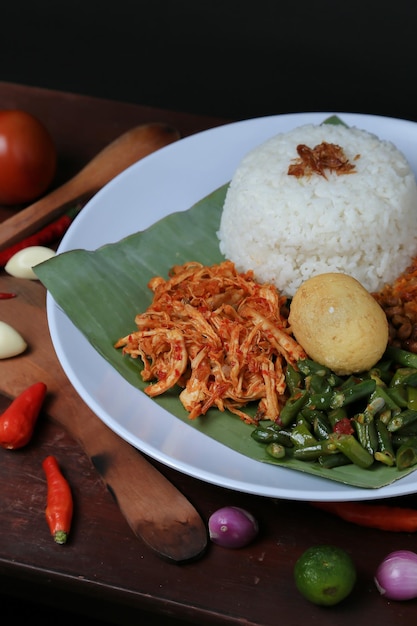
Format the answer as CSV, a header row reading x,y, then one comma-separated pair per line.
x,y
104,571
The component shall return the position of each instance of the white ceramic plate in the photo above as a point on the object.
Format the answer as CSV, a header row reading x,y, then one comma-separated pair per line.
x,y
173,179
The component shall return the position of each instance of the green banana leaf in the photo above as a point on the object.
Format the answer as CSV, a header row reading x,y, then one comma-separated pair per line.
x,y
113,280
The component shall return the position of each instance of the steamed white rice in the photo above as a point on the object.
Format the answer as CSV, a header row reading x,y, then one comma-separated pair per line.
x,y
287,229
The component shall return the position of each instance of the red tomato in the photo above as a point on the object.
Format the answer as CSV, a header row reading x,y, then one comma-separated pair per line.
x,y
27,157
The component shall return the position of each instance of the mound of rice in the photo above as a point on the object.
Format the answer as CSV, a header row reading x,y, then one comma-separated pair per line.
x,y
287,228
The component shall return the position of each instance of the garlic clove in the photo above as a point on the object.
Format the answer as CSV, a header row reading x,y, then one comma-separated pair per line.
x,y
20,264
11,342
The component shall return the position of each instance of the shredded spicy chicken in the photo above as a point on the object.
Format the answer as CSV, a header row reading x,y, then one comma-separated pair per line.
x,y
325,156
219,335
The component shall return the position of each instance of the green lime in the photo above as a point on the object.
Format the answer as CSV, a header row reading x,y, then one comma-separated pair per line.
x,y
325,575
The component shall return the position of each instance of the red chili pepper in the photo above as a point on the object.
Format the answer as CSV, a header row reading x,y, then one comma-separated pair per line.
x,y
17,423
46,235
50,233
6,295
59,503
383,517
343,427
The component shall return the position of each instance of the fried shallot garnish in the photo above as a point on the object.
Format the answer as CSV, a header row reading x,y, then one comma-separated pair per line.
x,y
220,336
325,156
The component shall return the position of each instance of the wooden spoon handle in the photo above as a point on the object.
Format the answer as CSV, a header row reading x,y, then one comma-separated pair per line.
x,y
155,510
113,159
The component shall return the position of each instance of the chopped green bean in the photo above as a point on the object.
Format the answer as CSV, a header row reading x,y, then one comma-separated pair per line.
x,y
334,380
293,406
320,401
349,382
384,437
381,392
353,450
411,397
293,379
405,418
321,426
309,367
284,438
374,406
398,395
385,452
315,450
402,436
264,435
353,394
402,357
366,434
406,455
276,450
301,435
385,416
310,414
318,384
386,458
404,376
376,376
338,459
271,434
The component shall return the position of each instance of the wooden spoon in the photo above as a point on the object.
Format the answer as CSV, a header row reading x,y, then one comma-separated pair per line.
x,y
113,159
155,509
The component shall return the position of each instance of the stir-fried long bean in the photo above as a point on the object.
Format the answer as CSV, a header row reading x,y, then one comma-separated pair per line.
x,y
364,419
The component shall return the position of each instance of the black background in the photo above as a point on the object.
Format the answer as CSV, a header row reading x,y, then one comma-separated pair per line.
x,y
220,57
